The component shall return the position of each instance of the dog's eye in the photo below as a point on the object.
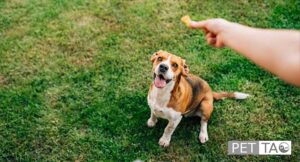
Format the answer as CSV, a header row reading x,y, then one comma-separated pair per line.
x,y
159,58
175,65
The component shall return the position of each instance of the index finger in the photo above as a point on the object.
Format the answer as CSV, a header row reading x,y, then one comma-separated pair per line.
x,y
198,24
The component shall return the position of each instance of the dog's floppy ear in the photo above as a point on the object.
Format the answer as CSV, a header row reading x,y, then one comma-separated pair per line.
x,y
153,57
186,69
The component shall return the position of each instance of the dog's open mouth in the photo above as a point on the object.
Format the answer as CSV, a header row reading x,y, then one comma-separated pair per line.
x,y
160,81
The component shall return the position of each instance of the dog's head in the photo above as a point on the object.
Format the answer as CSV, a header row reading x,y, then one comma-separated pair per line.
x,y
167,68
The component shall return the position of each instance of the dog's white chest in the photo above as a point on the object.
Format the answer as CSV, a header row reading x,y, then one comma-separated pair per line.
x,y
158,100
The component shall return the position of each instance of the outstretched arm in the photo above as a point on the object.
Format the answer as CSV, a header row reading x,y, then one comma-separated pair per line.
x,y
277,51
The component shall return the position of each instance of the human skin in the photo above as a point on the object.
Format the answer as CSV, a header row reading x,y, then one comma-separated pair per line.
x,y
277,51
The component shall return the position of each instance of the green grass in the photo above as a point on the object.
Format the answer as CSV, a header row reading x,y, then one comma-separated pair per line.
x,y
74,77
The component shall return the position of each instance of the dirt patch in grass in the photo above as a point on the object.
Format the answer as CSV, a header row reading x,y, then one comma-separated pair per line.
x,y
17,31
80,18
86,60
3,80
16,3
85,20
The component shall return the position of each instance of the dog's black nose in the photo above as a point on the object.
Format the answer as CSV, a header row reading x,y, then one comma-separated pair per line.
x,y
163,68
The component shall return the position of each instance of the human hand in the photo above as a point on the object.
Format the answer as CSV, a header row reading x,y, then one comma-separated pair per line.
x,y
214,30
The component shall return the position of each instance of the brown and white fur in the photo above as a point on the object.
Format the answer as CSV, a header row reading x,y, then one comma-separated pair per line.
x,y
175,93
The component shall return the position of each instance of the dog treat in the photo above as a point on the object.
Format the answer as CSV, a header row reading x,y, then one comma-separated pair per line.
x,y
186,20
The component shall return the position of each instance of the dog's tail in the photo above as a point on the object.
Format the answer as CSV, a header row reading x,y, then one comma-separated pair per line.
x,y
233,95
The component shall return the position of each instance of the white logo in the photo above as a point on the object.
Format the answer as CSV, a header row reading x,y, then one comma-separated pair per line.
x,y
259,147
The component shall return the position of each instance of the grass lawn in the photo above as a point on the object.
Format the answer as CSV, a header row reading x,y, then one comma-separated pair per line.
x,y
74,77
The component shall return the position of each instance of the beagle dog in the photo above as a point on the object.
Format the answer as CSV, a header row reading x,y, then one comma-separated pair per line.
x,y
175,93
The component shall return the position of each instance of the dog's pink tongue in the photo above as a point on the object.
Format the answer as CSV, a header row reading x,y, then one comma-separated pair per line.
x,y
159,83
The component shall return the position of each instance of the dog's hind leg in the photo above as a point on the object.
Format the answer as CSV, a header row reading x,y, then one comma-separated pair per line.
x,y
206,110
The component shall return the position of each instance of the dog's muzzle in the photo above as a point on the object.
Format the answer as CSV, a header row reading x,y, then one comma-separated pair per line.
x,y
160,81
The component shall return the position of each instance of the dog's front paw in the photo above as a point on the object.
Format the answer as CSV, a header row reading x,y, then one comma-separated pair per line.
x,y
164,142
151,123
203,137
